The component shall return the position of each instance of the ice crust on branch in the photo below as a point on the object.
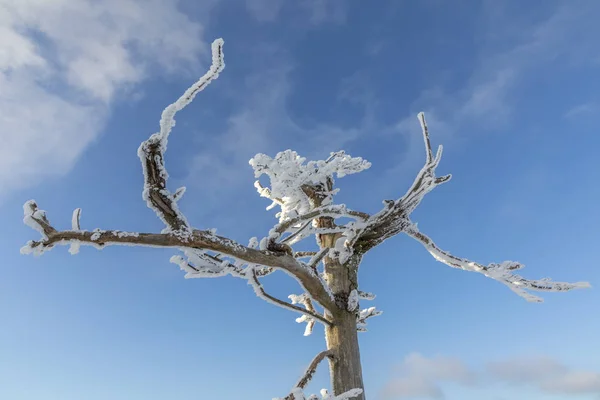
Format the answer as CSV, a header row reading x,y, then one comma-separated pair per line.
x,y
289,174
502,272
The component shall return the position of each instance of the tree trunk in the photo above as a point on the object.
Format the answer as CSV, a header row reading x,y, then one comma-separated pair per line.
x,y
345,368
342,337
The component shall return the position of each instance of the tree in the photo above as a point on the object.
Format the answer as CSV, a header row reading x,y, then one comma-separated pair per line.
x,y
304,192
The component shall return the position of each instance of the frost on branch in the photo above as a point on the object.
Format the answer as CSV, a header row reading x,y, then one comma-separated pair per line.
x,y
151,153
289,176
395,218
503,272
305,300
363,315
297,392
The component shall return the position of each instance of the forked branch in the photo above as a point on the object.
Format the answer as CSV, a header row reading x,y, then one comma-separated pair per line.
x,y
178,232
395,218
391,219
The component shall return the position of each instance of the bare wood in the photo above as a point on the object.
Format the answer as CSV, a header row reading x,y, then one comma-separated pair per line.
x,y
391,219
309,311
310,371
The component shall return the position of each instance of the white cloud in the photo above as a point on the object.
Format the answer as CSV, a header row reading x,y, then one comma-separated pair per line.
x,y
422,377
317,11
510,54
419,377
583,110
261,123
264,10
62,62
546,374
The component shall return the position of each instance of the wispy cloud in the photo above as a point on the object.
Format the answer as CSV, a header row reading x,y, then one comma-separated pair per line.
x,y
61,65
583,110
508,58
546,374
422,377
262,123
314,11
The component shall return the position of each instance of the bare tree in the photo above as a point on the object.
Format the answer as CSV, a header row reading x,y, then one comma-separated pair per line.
x,y
304,192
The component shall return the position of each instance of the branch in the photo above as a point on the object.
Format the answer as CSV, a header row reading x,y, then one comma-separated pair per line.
x,y
308,305
198,240
390,220
151,152
335,211
502,272
304,254
312,368
308,374
260,292
317,258
363,315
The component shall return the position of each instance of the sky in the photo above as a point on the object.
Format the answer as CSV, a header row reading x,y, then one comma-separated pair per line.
x,y
510,90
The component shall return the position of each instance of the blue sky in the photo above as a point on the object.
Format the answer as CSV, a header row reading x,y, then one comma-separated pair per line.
x,y
510,90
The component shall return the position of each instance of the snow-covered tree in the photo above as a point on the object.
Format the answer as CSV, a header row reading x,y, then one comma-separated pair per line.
x,y
304,191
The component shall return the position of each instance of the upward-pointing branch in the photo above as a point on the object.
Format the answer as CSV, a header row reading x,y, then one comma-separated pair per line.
x,y
151,152
391,219
178,233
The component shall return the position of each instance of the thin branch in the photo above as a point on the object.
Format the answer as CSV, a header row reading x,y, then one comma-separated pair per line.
x,y
363,315
390,220
260,292
151,152
502,272
304,254
318,258
309,373
336,211
297,232
312,368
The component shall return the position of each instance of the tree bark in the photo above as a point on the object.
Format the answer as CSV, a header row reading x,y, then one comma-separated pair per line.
x,y
345,366
342,337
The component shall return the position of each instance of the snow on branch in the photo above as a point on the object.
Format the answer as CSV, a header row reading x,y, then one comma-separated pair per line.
x,y
196,244
395,218
297,393
290,176
309,312
389,221
363,315
151,153
195,247
503,272
308,305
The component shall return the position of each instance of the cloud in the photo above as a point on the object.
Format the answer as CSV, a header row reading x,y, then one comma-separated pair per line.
x,y
583,110
422,377
261,123
419,377
546,374
264,10
62,63
510,54
316,11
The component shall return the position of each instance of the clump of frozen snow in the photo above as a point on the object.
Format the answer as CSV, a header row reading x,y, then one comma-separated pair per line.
x,y
288,174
